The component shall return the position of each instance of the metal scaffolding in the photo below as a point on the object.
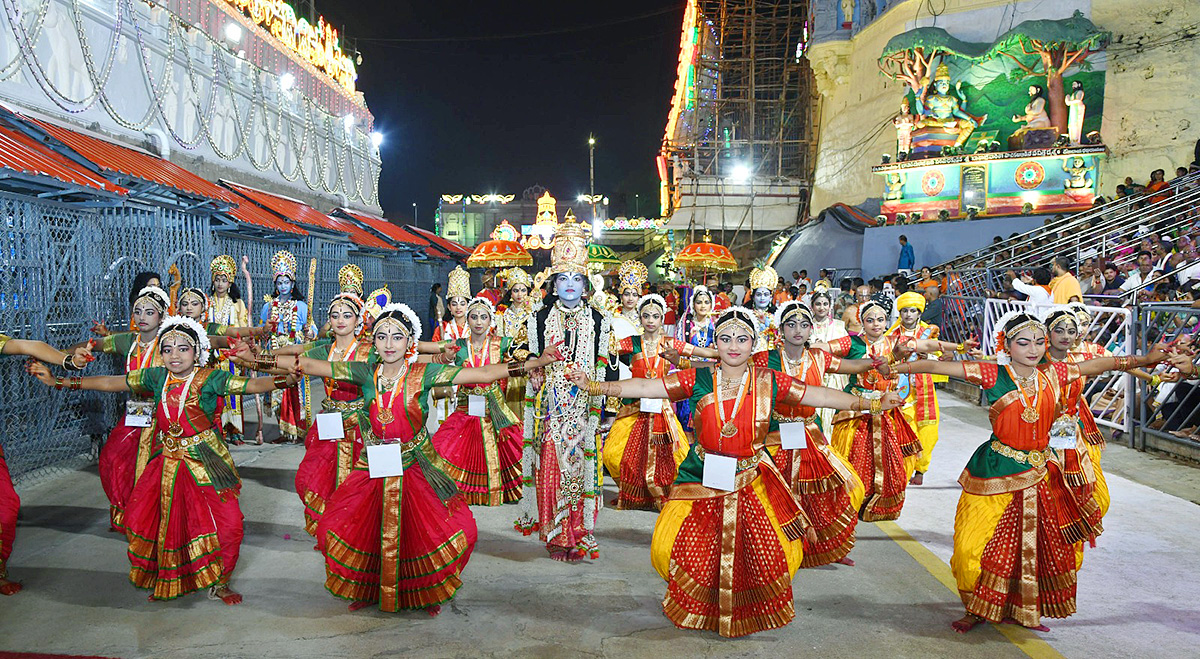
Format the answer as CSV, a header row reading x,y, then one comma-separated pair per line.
x,y
744,94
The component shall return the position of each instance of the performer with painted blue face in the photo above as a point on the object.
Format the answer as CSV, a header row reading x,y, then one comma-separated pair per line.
x,y
762,292
290,317
560,462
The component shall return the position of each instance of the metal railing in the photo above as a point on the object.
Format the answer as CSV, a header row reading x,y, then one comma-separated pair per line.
x,y
1093,230
64,266
1169,414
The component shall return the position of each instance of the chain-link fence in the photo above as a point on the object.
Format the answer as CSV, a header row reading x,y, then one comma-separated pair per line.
x,y
65,266
1168,413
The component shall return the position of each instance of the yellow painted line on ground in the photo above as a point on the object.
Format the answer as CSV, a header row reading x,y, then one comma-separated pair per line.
x,y
1025,640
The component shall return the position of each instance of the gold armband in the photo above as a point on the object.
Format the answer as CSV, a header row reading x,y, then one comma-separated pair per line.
x,y
1124,363
961,348
595,388
442,392
265,362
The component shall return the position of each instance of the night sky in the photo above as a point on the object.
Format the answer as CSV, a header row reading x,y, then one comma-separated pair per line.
x,y
466,112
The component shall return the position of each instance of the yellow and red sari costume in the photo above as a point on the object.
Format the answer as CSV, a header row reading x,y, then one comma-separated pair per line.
x,y
643,450
883,449
118,456
483,453
729,557
921,405
401,540
327,463
1019,529
824,483
289,405
227,313
183,520
1089,431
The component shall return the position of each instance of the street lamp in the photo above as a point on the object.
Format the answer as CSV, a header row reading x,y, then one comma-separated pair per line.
x,y
415,213
636,206
592,172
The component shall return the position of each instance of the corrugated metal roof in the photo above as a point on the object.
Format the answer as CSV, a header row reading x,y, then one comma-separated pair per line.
x,y
23,154
394,232
130,162
298,211
446,245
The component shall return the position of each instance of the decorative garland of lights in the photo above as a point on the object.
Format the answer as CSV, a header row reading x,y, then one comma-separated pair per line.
x,y
330,162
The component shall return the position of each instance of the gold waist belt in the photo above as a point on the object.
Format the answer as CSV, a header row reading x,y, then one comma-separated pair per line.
x,y
742,464
175,444
331,405
1034,458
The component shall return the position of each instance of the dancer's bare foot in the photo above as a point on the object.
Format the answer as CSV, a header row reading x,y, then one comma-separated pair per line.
x,y
354,606
559,554
227,595
258,437
845,560
1039,628
917,479
434,610
9,587
966,623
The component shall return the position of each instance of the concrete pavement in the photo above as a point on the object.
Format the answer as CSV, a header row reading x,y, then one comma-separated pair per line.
x,y
1137,591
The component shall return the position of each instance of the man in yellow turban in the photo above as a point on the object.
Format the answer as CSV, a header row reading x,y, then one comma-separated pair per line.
x,y
920,404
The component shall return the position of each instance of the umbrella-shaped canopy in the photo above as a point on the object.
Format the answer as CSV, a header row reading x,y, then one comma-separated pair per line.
x,y
705,256
502,251
602,254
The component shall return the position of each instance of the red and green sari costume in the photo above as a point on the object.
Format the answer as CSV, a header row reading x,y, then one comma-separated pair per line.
x,y
118,456
10,504
824,483
729,556
1019,529
643,450
483,453
883,449
402,541
327,463
183,521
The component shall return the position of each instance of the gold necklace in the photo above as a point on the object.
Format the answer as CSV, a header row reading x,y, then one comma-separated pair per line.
x,y
728,429
1030,413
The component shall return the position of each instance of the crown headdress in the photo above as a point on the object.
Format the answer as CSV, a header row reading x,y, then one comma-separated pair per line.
x,y
350,279
283,263
223,265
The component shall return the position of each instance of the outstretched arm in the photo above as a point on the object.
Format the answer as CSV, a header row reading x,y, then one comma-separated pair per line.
x,y
853,366
954,369
492,372
631,388
80,356
111,383
840,400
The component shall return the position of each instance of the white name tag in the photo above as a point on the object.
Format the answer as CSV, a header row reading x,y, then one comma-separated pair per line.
x,y
652,405
138,413
329,426
719,472
476,405
793,435
383,461
1062,442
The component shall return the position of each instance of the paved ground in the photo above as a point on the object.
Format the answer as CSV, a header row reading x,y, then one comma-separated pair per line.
x,y
1137,591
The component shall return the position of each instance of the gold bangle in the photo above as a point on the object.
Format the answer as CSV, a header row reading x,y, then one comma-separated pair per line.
x,y
595,388
515,369
1123,363
685,363
960,348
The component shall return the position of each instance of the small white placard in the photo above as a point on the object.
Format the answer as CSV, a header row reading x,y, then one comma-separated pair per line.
x,y
383,461
1063,442
793,435
329,426
652,405
138,413
719,472
476,405
137,421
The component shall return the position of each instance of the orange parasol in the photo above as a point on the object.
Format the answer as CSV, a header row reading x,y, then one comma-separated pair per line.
x,y
502,251
705,256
